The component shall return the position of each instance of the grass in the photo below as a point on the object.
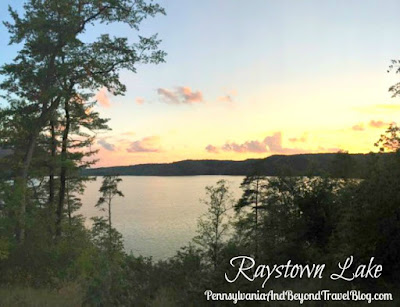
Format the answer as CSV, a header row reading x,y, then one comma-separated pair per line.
x,y
68,296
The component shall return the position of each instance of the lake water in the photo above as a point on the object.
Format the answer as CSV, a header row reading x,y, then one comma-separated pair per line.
x,y
158,215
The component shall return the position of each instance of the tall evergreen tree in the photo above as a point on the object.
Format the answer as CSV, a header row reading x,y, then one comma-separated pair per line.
x,y
56,65
109,190
254,193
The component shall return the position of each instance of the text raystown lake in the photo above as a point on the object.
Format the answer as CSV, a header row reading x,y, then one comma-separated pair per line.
x,y
158,215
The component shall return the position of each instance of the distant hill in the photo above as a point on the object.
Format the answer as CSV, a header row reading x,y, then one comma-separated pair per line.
x,y
295,165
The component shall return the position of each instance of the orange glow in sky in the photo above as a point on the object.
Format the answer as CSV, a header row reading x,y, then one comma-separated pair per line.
x,y
249,81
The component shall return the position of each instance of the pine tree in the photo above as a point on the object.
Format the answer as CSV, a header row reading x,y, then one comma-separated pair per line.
x,y
109,190
55,66
253,196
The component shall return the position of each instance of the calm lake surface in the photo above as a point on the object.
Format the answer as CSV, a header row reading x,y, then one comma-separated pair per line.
x,y
158,215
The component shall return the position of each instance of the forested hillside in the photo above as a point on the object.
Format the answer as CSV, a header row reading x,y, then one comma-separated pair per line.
x,y
296,165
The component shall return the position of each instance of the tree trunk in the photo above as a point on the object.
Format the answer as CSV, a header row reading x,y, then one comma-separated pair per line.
x,y
52,167
256,226
109,221
20,188
216,242
63,172
69,206
21,179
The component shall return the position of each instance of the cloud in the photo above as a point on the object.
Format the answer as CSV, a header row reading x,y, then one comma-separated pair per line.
x,y
139,100
301,139
102,98
189,96
377,124
249,146
270,144
168,95
212,149
253,146
181,95
106,145
371,124
274,142
226,98
358,127
147,144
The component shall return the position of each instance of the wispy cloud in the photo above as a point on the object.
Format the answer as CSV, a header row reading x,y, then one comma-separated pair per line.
x,y
212,149
301,139
102,98
270,144
180,95
106,145
274,144
147,144
371,124
358,127
378,124
139,100
226,98
248,146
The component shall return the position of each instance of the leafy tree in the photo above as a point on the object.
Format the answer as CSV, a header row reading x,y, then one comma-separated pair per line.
x,y
390,141
371,221
298,219
212,226
281,222
107,285
182,278
343,166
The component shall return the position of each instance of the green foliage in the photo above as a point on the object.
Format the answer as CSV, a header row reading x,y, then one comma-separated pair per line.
x,y
50,83
254,193
53,51
108,190
372,218
253,187
213,226
46,130
69,295
344,166
390,141
4,249
104,238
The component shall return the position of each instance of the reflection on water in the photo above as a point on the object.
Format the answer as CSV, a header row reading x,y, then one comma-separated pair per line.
x,y
158,215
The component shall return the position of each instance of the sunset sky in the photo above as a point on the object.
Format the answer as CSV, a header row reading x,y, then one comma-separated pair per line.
x,y
248,79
